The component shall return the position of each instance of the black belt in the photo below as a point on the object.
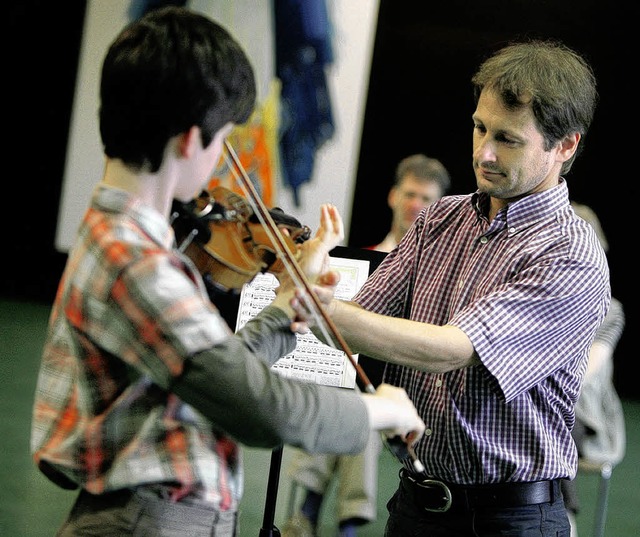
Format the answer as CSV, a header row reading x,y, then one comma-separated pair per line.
x,y
438,497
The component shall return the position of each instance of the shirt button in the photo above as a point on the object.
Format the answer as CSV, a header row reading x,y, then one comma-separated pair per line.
x,y
484,240
512,230
428,432
438,383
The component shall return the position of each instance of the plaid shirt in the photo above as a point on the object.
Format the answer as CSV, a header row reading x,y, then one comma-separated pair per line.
x,y
529,289
128,312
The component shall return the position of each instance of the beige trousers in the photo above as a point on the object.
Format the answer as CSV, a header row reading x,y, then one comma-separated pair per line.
x,y
356,475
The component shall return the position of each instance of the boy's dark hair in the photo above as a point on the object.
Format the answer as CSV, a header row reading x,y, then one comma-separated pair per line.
x,y
554,80
166,72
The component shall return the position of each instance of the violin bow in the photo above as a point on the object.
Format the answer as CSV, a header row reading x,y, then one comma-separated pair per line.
x,y
403,451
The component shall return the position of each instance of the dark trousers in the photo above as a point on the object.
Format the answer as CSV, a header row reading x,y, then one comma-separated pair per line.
x,y
143,512
406,519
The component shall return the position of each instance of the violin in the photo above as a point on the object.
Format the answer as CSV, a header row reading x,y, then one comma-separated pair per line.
x,y
222,235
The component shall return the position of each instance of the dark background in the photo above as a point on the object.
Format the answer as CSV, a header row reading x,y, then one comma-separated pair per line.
x,y
419,100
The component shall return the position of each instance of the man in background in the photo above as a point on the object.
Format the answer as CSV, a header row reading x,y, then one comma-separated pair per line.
x,y
419,181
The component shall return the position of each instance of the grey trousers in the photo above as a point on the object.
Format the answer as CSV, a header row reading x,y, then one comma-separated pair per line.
x,y
142,512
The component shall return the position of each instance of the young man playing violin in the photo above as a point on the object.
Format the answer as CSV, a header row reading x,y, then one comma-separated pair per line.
x,y
144,391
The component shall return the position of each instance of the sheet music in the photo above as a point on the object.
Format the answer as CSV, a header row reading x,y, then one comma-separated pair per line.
x,y
312,360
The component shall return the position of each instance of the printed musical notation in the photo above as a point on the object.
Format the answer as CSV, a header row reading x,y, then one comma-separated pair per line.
x,y
312,360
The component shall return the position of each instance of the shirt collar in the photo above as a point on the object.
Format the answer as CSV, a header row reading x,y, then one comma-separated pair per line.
x,y
528,210
154,224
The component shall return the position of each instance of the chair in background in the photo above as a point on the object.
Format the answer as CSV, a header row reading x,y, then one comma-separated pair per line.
x,y
604,470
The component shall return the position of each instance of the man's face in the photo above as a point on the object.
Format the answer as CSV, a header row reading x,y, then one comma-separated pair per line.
x,y
409,197
509,158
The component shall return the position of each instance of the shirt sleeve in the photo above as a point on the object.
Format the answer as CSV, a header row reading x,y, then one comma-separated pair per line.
x,y
242,396
153,315
268,335
536,323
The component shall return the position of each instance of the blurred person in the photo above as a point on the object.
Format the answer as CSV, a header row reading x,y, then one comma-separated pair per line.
x,y
144,392
418,181
486,311
599,431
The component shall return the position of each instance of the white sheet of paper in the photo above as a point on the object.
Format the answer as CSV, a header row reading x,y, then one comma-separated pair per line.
x,y
312,360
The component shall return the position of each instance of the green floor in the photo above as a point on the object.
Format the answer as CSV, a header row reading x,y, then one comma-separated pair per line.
x,y
30,506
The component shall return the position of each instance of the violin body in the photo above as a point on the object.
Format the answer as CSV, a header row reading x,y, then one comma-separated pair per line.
x,y
223,237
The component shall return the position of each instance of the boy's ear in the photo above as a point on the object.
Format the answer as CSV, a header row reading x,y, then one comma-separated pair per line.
x,y
187,142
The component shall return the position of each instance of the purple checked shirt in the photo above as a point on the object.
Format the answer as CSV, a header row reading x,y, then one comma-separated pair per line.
x,y
529,289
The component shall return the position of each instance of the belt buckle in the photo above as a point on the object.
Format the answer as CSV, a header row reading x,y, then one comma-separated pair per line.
x,y
447,494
